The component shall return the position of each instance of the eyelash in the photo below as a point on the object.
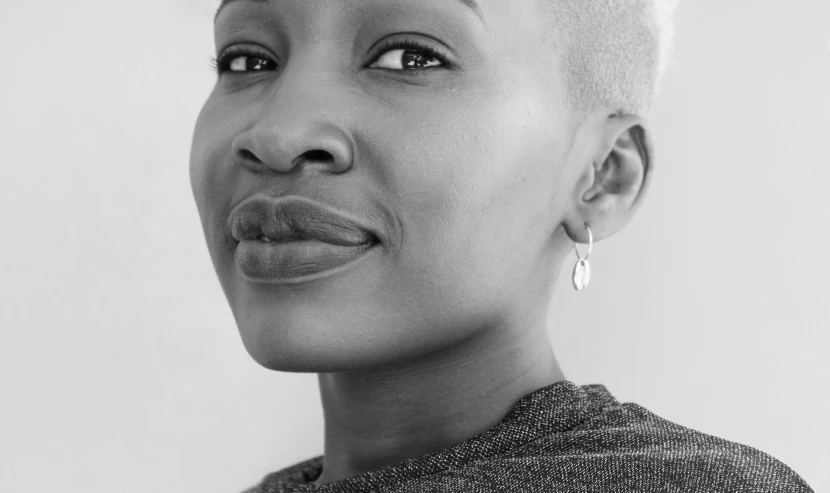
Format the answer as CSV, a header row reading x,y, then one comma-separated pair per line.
x,y
221,64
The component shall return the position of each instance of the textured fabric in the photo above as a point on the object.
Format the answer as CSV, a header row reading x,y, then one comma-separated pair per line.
x,y
567,438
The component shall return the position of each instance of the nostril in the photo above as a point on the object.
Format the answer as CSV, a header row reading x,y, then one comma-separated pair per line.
x,y
248,155
318,155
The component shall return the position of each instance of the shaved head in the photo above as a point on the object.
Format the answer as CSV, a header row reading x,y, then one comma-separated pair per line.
x,y
614,52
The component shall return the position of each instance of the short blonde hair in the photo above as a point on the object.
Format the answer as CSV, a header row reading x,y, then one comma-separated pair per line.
x,y
614,52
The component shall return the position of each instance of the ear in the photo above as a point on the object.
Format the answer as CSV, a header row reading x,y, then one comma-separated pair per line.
x,y
614,182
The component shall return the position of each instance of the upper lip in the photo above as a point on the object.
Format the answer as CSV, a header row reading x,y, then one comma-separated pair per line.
x,y
294,217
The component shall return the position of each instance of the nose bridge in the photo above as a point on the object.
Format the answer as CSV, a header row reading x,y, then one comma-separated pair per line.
x,y
301,114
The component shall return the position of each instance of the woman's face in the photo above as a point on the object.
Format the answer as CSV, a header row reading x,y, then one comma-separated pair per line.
x,y
455,159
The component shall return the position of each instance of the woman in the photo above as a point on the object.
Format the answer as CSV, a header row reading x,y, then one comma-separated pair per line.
x,y
388,189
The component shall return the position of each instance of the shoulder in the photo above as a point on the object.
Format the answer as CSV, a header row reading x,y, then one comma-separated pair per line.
x,y
626,449
630,445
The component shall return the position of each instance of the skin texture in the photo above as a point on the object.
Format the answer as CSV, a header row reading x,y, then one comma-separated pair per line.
x,y
478,179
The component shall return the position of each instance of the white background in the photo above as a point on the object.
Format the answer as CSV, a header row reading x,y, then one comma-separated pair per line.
x,y
121,368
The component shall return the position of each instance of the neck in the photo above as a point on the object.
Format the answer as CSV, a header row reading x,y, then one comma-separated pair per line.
x,y
379,417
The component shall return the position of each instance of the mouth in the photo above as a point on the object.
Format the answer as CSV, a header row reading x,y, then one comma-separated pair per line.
x,y
265,239
300,238
262,260
292,239
294,219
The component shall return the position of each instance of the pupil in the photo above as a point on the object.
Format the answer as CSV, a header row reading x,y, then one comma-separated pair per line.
x,y
256,64
415,59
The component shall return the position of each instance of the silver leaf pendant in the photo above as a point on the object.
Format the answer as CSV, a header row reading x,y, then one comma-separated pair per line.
x,y
582,274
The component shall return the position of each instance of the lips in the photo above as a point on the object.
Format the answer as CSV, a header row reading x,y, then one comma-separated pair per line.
x,y
293,219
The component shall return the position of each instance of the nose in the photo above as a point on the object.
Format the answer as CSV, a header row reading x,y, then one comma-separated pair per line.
x,y
296,124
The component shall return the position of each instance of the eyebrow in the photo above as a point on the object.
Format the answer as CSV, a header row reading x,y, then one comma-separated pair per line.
x,y
471,4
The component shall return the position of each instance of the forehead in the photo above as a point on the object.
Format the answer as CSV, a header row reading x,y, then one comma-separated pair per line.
x,y
487,11
473,5
505,22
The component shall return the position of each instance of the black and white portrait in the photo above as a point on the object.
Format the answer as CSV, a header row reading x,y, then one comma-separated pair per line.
x,y
402,246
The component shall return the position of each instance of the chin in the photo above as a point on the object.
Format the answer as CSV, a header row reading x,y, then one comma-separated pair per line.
x,y
280,347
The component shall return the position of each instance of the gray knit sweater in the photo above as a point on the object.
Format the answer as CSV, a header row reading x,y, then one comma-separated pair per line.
x,y
567,438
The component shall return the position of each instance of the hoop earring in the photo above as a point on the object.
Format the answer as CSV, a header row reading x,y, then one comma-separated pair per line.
x,y
582,269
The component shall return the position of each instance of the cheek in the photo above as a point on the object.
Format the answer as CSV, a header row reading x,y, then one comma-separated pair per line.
x,y
210,167
477,167
474,179
200,150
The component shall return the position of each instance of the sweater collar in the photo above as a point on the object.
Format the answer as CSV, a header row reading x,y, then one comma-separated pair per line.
x,y
555,408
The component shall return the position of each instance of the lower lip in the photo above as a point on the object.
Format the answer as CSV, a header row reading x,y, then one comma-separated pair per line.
x,y
294,261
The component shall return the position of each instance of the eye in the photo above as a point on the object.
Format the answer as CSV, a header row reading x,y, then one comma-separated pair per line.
x,y
409,55
242,59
